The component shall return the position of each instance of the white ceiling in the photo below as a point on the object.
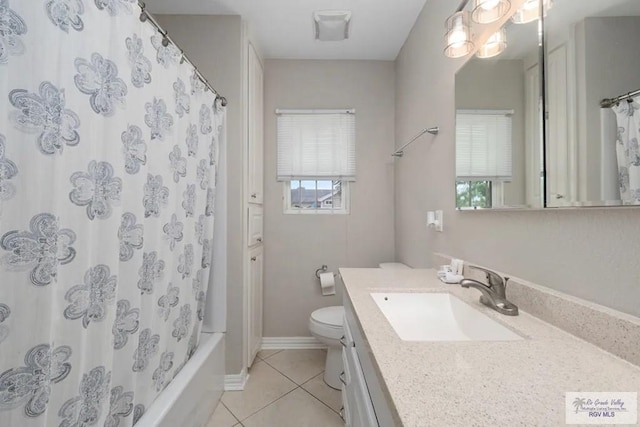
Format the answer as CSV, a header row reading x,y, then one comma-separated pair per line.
x,y
284,28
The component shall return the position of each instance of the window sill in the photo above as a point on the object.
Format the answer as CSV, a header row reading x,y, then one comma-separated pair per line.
x,y
315,212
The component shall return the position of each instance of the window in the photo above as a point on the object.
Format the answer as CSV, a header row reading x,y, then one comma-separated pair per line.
x,y
473,194
316,159
316,196
483,157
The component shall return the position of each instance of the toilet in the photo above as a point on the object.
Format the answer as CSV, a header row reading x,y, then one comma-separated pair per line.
x,y
326,325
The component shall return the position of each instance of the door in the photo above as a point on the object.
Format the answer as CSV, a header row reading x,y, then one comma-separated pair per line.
x,y
255,269
253,204
256,119
558,176
532,137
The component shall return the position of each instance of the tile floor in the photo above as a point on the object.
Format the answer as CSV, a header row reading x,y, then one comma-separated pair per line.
x,y
285,389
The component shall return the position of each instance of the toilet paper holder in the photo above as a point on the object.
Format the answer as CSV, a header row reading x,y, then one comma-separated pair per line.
x,y
322,269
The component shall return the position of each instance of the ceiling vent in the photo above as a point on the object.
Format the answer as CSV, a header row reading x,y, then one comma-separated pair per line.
x,y
332,25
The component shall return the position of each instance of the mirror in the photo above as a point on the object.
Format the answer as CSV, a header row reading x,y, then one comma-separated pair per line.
x,y
498,126
593,54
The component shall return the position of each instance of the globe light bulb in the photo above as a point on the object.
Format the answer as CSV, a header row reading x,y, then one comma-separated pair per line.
x,y
494,46
489,11
457,37
530,11
489,4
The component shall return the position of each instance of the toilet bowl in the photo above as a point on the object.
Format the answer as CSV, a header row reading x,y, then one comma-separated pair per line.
x,y
326,325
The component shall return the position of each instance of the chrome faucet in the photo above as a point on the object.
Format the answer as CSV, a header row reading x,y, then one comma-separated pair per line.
x,y
494,280
493,293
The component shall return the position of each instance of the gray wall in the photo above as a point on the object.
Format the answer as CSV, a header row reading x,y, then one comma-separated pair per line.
x,y
214,45
589,253
296,245
498,85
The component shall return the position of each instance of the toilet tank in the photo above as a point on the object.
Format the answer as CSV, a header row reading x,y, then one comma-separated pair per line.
x,y
394,266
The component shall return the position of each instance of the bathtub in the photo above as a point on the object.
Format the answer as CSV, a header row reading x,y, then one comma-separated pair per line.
x,y
189,400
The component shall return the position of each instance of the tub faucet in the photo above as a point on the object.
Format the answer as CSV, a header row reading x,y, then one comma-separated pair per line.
x,y
493,293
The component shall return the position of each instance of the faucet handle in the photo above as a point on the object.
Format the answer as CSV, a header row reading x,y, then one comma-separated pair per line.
x,y
493,278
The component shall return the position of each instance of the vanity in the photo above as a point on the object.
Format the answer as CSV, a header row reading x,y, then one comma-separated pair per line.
x,y
517,377
550,124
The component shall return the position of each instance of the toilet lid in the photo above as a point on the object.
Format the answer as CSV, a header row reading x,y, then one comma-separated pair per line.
x,y
394,266
331,316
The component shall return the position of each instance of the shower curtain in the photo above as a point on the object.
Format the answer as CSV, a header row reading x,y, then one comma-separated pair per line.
x,y
108,151
628,149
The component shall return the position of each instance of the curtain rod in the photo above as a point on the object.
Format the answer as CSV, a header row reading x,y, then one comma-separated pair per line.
x,y
400,151
610,102
146,16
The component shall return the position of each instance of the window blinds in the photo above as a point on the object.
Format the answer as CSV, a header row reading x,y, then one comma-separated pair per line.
x,y
483,145
316,145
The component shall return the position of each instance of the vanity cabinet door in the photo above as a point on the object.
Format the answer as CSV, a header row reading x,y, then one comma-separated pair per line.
x,y
347,392
370,396
361,412
255,268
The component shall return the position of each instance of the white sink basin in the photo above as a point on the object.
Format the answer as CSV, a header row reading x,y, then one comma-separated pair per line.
x,y
438,317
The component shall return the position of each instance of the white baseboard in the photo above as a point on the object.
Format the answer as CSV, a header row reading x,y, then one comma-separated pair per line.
x,y
291,343
236,382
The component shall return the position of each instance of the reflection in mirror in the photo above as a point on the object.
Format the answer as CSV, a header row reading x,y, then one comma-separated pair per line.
x,y
498,121
593,55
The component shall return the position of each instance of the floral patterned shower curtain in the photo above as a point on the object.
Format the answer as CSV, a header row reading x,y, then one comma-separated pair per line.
x,y
628,149
108,150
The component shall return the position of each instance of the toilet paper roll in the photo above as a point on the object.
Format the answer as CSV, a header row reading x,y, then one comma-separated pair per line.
x,y
328,284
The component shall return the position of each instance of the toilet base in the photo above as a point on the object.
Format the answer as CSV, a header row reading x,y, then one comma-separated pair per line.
x,y
333,367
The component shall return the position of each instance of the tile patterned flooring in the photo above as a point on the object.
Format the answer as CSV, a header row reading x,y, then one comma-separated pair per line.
x,y
285,389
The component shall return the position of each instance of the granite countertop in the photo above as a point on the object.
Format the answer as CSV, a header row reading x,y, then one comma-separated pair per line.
x,y
478,383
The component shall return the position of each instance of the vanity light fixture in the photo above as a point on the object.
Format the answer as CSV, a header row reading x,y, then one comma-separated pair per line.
x,y
458,35
494,46
530,11
488,11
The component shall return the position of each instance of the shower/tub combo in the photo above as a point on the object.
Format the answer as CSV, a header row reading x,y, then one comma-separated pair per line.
x,y
110,146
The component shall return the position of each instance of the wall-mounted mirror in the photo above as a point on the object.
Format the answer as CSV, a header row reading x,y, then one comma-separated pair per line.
x,y
498,126
593,58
